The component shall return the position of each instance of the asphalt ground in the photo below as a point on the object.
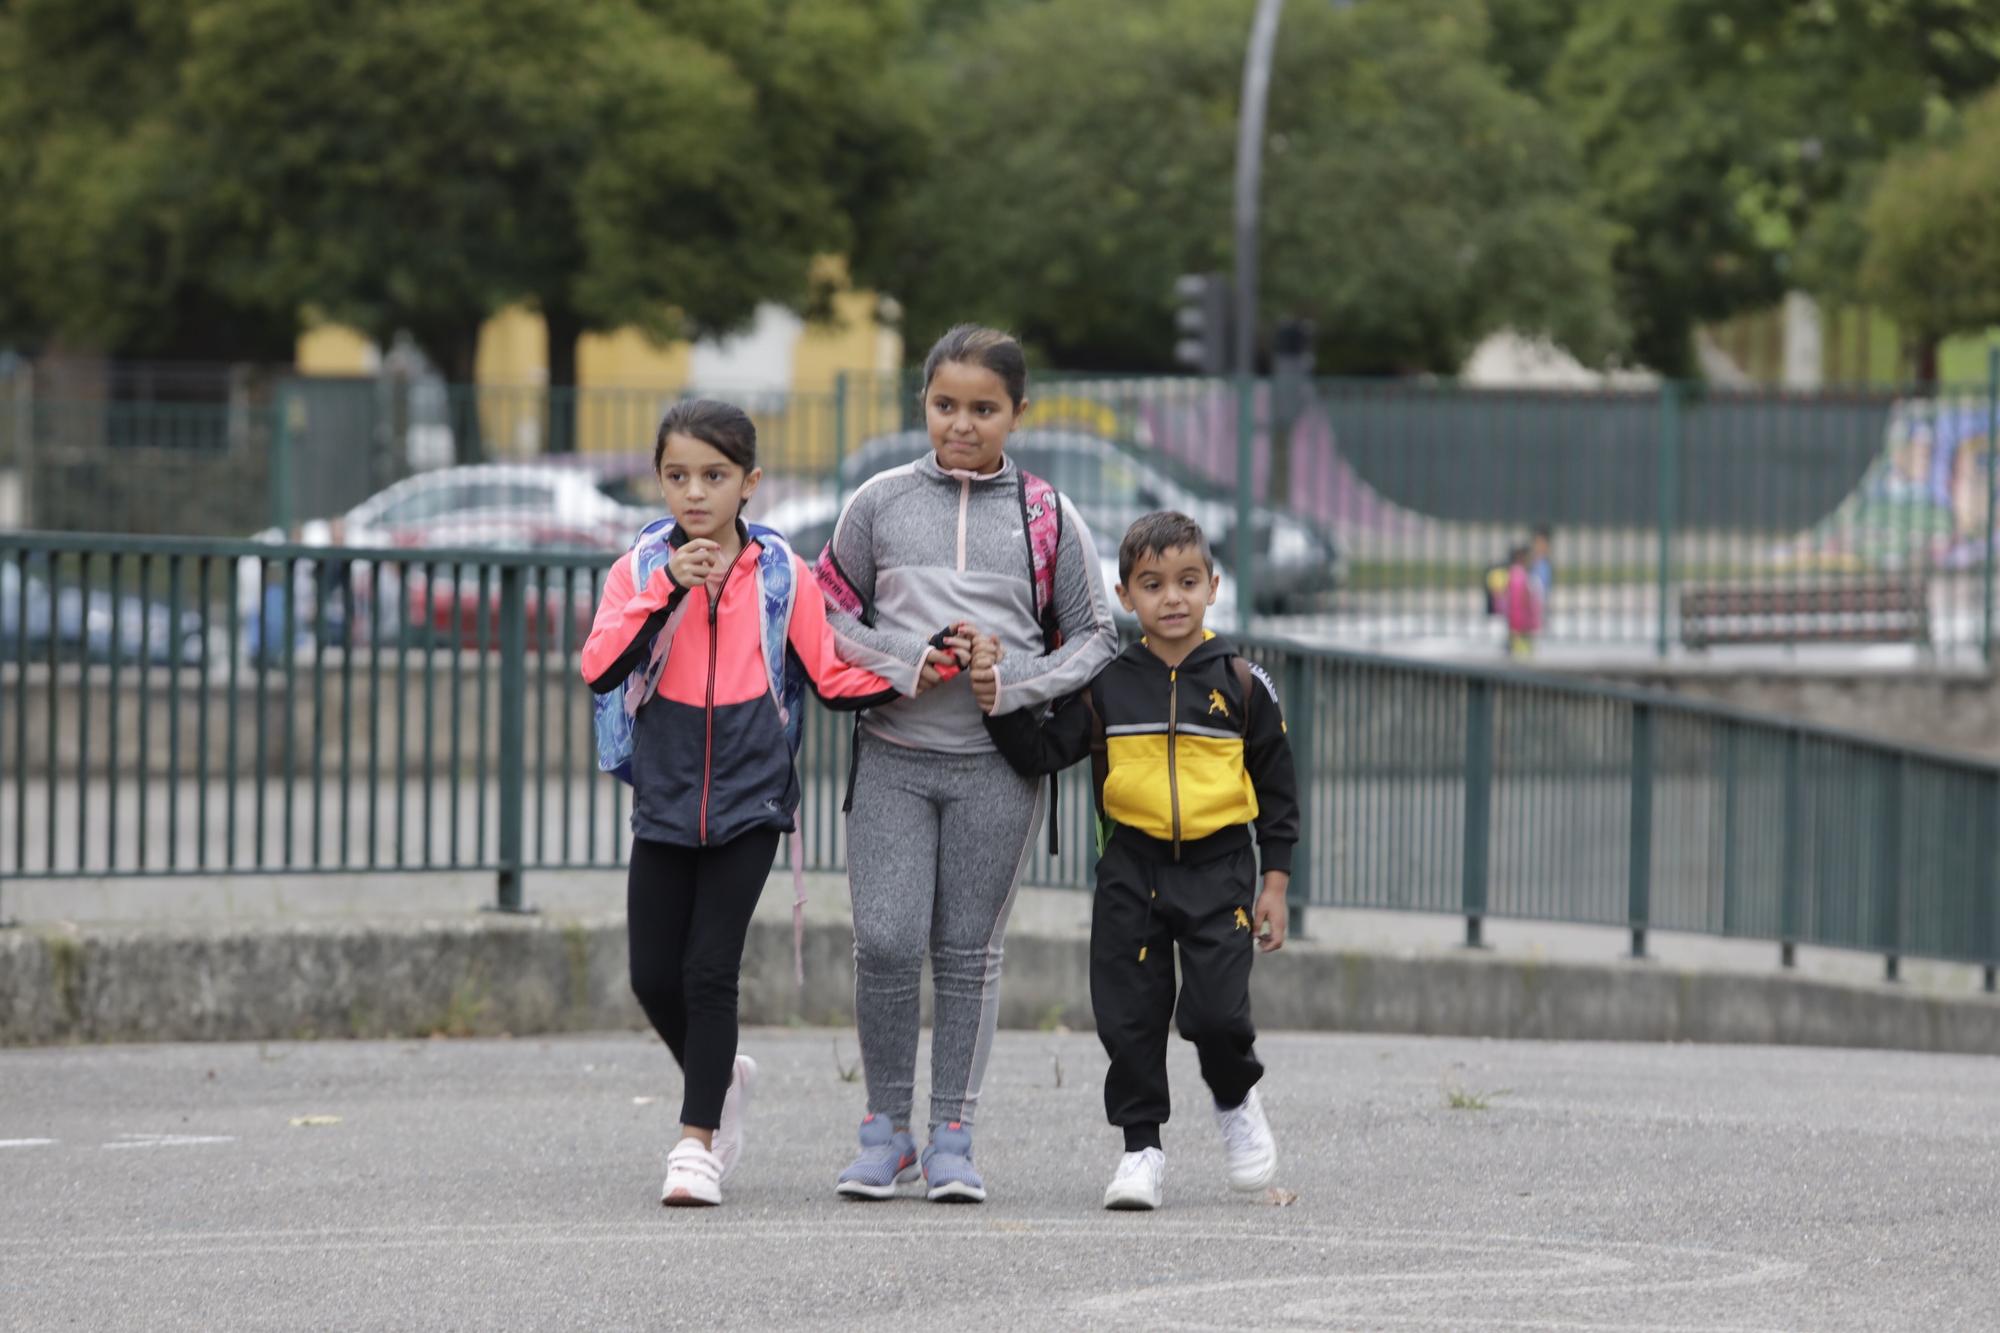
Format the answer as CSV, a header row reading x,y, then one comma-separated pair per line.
x,y
514,1184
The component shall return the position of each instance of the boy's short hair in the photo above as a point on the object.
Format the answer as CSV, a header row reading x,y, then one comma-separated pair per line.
x,y
1157,533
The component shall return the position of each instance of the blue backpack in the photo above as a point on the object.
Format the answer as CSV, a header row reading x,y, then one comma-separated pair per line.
x,y
616,711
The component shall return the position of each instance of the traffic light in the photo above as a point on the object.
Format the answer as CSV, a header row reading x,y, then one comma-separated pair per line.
x,y
1201,319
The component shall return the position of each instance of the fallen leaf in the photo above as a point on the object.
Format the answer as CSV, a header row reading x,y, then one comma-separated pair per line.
x,y
309,1121
1278,1198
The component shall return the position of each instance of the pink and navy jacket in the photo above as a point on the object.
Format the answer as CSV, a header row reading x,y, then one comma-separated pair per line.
x,y
710,761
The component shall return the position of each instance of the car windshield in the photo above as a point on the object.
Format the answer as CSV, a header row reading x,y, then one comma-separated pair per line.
x,y
1096,480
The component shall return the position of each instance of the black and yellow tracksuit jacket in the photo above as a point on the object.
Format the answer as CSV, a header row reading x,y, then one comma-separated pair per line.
x,y
1186,760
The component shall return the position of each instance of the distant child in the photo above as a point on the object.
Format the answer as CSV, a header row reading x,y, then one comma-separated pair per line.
x,y
1524,604
1188,751
1541,565
692,621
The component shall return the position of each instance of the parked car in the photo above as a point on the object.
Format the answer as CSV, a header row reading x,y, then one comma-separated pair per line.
x,y
538,507
570,506
91,625
807,522
1111,488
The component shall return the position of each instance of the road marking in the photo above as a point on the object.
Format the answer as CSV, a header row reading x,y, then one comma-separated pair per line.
x,y
25,1143
168,1140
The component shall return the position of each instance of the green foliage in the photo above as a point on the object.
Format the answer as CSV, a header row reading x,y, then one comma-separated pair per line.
x,y
1079,157
1730,140
1933,222
1527,37
669,164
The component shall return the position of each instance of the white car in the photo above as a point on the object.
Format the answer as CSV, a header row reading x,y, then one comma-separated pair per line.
x,y
554,507
537,507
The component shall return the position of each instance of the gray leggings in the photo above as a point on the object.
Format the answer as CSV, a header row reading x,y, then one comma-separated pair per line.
x,y
935,846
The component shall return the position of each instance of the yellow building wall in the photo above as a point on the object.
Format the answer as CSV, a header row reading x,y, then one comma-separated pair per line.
x,y
335,349
625,380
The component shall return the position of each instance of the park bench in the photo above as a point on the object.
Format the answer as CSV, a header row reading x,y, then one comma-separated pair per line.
x,y
1875,610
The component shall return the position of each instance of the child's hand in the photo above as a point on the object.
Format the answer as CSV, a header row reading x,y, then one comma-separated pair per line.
x,y
939,666
986,673
1271,914
694,562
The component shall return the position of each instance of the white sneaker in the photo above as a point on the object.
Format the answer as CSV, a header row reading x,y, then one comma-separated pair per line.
x,y
1246,1137
694,1177
1139,1183
735,1116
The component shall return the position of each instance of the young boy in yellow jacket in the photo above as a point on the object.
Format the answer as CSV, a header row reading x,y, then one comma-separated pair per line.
x,y
1188,754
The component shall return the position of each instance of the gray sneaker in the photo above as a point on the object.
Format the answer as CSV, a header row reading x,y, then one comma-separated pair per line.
x,y
948,1173
888,1158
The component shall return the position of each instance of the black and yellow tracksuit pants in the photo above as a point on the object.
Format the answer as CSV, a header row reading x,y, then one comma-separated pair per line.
x,y
1146,904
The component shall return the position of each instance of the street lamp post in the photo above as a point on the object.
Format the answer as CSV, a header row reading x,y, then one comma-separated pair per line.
x,y
1249,171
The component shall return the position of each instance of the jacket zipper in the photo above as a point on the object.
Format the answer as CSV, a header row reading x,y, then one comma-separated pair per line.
x,y
708,746
964,501
1173,767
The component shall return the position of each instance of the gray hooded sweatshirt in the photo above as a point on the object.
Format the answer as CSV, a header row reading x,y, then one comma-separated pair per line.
x,y
920,547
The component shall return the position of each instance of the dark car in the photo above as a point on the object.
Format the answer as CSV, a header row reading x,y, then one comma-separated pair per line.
x,y
1110,488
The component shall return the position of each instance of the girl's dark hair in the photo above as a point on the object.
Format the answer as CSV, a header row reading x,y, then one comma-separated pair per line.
x,y
972,345
724,426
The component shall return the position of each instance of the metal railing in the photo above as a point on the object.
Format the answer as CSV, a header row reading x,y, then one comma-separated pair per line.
x,y
186,707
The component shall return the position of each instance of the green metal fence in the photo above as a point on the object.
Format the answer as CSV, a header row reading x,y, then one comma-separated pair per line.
x,y
1345,513
187,707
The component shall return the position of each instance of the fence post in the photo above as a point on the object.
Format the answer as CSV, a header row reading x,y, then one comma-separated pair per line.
x,y
281,462
513,734
1300,716
1992,449
1986,880
1792,868
1245,545
1731,743
1889,873
1639,865
1478,808
1668,483
839,436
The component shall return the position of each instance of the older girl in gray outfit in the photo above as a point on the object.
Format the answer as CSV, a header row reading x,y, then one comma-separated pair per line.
x,y
941,826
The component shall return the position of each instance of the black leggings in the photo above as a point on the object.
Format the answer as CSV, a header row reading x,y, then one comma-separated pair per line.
x,y
687,912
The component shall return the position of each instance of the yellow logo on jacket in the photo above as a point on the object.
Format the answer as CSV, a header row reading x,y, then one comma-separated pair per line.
x,y
1242,919
1216,704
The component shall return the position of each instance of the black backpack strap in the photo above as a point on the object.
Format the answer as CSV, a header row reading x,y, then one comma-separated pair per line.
x,y
1240,668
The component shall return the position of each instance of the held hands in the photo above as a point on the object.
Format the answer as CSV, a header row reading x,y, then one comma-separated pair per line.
x,y
950,651
986,655
1271,913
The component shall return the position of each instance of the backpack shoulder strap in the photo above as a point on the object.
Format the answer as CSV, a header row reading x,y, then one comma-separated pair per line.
x,y
1041,527
1246,682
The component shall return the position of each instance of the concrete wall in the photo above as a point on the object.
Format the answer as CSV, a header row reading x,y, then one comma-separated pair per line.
x,y
465,977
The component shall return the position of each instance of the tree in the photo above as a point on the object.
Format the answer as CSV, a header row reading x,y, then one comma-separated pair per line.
x,y
615,163
104,236
1730,141
662,163
1933,252
1079,157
